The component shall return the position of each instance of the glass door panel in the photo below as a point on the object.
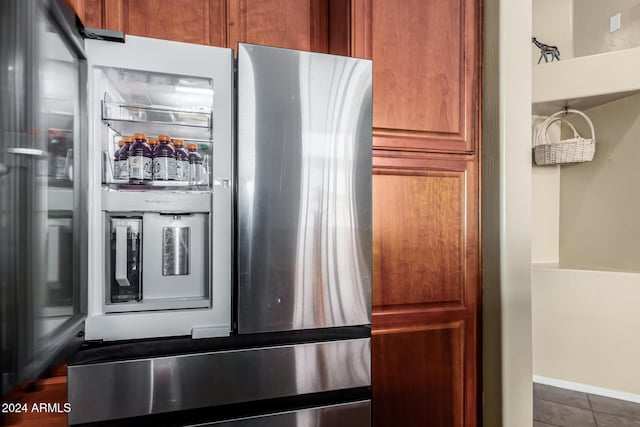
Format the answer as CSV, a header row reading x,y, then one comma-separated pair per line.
x,y
41,258
59,113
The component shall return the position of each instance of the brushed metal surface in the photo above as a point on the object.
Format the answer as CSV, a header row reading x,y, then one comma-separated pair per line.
x,y
353,414
175,251
106,391
304,190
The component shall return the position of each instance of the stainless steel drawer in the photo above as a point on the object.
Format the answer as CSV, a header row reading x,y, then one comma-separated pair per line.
x,y
130,388
353,414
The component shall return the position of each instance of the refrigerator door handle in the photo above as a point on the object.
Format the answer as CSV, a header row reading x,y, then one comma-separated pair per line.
x,y
53,255
23,151
121,255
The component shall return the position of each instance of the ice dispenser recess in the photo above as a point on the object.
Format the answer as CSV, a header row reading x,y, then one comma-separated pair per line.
x,y
170,258
126,260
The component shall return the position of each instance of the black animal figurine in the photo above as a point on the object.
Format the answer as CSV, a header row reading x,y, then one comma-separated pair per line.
x,y
545,50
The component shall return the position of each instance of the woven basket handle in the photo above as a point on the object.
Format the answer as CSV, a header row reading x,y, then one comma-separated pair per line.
x,y
540,133
543,130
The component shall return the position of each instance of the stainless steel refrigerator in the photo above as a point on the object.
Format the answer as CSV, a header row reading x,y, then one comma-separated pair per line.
x,y
234,289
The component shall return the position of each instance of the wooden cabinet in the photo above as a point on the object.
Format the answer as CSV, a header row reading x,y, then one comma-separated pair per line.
x,y
426,71
425,362
425,290
294,24
91,12
190,21
426,234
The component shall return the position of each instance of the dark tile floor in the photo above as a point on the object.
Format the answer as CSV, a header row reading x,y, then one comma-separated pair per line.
x,y
553,406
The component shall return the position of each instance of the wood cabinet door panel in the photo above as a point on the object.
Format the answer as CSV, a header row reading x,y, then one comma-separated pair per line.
x,y
293,24
418,237
189,21
93,13
426,71
423,36
90,12
424,231
417,375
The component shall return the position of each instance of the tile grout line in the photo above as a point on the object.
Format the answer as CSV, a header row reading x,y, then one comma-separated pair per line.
x,y
606,412
595,420
567,404
612,412
562,404
592,390
544,422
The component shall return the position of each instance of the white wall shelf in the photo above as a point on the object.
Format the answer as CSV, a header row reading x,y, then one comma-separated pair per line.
x,y
585,82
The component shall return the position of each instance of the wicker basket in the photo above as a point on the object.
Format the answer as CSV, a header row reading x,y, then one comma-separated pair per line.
x,y
573,150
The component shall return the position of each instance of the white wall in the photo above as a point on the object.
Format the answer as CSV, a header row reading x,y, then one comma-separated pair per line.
x,y
552,24
600,200
506,214
591,26
545,204
586,327
546,213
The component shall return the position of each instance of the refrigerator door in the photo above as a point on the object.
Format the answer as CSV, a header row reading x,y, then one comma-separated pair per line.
x,y
304,190
184,90
42,226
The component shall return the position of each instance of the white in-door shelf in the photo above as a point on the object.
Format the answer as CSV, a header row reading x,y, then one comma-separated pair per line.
x,y
586,81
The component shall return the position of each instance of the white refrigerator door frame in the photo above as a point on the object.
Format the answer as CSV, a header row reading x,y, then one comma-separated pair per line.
x,y
153,55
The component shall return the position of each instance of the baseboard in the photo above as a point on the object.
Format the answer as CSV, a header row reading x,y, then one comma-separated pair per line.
x,y
630,397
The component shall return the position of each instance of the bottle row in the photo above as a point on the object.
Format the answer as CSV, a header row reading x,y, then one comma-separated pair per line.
x,y
139,159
